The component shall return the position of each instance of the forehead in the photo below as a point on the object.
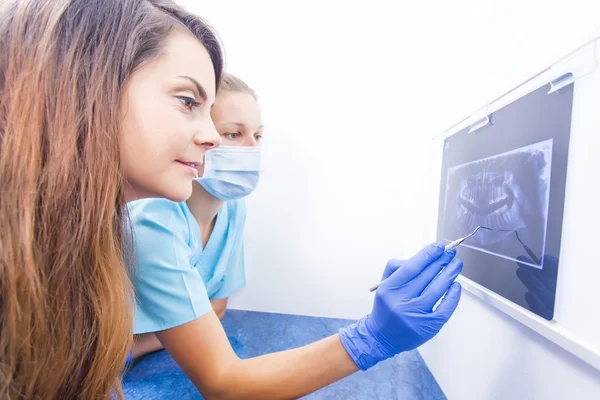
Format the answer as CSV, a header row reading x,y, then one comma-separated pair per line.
x,y
237,107
185,55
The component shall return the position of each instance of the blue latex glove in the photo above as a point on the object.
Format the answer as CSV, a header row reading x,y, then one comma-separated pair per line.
x,y
402,317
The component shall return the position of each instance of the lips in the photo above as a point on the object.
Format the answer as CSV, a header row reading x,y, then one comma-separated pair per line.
x,y
192,166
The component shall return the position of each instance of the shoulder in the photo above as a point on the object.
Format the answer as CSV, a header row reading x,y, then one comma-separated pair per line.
x,y
157,210
153,216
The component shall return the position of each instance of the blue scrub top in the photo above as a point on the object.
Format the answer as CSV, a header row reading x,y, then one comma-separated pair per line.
x,y
173,276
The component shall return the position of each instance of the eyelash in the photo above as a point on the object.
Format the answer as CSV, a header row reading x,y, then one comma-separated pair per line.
x,y
237,135
188,102
234,134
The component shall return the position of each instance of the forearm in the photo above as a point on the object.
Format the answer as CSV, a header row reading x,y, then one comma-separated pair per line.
x,y
288,374
203,351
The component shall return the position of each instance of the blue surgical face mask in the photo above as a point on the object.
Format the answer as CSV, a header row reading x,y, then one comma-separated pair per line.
x,y
231,172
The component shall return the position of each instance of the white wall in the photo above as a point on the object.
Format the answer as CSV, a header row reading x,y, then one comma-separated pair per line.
x,y
484,354
352,94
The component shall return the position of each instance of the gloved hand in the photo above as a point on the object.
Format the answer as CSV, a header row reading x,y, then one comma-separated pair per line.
x,y
541,285
402,317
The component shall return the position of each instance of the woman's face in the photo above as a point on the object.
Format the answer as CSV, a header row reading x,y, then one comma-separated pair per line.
x,y
167,125
238,120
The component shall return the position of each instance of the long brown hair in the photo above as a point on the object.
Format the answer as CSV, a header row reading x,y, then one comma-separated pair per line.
x,y
66,299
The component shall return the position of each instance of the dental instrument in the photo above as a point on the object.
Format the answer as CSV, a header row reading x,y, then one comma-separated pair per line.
x,y
447,247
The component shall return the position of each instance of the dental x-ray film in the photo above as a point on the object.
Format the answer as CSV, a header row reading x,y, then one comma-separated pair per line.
x,y
509,177
507,193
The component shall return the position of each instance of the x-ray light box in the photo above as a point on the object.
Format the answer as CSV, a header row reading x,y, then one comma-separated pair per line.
x,y
506,168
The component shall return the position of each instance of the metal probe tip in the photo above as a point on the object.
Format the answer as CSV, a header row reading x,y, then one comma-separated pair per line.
x,y
447,247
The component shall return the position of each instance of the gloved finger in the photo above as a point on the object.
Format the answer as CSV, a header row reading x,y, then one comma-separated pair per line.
x,y
415,287
537,306
440,284
413,266
391,267
449,303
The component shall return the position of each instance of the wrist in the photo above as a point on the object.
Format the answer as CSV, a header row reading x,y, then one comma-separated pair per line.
x,y
362,346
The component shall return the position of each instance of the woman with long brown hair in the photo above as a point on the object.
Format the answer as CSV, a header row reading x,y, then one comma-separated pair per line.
x,y
101,102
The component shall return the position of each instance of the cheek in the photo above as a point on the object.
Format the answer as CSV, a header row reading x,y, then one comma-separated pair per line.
x,y
158,135
148,151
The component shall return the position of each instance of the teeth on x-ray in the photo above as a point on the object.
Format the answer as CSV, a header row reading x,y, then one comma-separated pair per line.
x,y
507,192
486,198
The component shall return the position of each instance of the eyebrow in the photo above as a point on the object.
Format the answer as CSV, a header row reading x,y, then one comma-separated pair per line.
x,y
198,86
242,125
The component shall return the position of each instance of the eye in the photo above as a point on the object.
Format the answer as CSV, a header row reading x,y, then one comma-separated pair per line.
x,y
258,137
188,102
232,135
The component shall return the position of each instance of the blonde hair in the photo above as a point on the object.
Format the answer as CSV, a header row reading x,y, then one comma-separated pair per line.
x,y
232,84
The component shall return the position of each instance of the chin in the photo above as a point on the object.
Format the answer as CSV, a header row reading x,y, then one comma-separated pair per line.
x,y
180,193
175,192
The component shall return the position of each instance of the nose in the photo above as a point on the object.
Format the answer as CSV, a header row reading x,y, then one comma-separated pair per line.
x,y
207,135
